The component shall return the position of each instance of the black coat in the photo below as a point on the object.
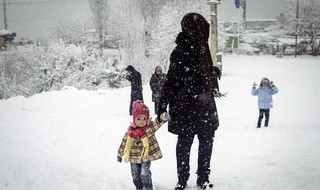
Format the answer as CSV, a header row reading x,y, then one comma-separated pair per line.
x,y
156,84
135,79
189,115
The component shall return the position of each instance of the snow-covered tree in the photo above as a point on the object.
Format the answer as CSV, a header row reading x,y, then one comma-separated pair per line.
x,y
150,10
131,32
100,10
75,32
162,35
33,69
307,24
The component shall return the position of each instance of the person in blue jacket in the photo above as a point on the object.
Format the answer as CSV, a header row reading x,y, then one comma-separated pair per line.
x,y
264,92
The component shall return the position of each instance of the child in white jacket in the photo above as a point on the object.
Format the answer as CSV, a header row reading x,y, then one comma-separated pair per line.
x,y
264,92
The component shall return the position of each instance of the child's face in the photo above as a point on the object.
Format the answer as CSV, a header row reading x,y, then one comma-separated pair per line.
x,y
141,121
265,83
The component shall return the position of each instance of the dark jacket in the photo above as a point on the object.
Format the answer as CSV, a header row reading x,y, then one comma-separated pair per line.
x,y
156,83
135,78
189,115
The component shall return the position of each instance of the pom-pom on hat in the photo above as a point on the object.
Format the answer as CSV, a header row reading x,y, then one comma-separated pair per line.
x,y
140,109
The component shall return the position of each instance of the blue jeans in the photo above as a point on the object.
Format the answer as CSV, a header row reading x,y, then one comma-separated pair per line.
x,y
141,175
135,95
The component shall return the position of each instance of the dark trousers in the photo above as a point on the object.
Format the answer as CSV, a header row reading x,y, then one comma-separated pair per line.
x,y
266,113
204,157
156,107
135,95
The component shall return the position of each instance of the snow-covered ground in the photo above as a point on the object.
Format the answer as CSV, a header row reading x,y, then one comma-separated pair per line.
x,y
68,139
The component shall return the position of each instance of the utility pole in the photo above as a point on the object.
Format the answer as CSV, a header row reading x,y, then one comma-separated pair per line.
x,y
297,16
5,15
238,41
238,4
243,4
214,32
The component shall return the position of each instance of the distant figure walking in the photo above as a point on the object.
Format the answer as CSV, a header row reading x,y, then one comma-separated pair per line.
x,y
264,92
156,83
136,85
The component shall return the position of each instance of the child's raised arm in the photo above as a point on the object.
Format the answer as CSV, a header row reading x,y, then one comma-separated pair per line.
x,y
157,123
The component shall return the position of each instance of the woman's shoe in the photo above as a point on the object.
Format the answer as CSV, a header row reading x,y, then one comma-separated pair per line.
x,y
180,186
205,185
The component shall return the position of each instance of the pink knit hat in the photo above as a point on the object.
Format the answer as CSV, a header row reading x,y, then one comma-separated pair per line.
x,y
140,109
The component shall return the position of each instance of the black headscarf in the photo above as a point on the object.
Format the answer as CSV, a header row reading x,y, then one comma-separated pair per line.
x,y
197,28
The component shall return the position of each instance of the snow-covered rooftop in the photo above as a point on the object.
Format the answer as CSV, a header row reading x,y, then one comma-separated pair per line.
x,y
4,32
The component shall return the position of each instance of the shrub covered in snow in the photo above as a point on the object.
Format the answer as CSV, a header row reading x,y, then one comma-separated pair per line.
x,y
32,69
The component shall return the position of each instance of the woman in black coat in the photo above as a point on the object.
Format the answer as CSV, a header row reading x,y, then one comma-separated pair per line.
x,y
156,83
190,90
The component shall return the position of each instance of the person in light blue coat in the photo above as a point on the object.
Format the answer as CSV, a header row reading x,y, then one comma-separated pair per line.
x,y
264,92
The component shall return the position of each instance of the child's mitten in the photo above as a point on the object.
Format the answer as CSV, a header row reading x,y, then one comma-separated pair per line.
x,y
165,116
127,148
145,151
254,84
119,158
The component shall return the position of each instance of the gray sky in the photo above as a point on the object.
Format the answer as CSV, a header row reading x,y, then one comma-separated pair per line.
x,y
256,9
32,18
